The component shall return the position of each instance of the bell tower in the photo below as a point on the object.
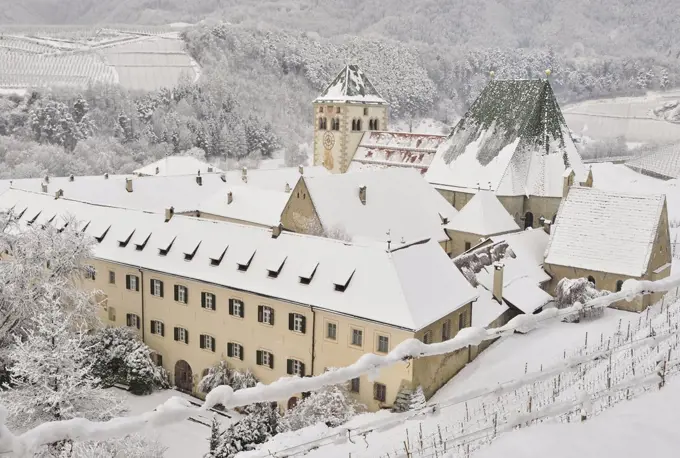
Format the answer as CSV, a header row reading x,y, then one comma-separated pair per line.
x,y
349,107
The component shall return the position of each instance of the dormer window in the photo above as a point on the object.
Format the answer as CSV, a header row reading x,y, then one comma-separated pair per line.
x,y
140,239
308,272
165,246
216,260
244,262
100,238
189,255
275,266
32,218
125,238
342,280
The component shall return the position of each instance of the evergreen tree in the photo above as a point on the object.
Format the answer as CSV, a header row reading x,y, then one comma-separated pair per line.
x,y
417,400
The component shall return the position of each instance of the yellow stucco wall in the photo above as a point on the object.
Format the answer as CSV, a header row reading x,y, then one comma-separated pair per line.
x,y
460,239
345,141
299,214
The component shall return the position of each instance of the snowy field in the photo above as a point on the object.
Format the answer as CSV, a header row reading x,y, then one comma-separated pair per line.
x,y
623,116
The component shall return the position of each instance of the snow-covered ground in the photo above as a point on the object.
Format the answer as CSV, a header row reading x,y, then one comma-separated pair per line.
x,y
188,439
630,117
421,126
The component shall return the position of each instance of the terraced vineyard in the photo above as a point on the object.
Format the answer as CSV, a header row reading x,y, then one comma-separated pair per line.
x,y
144,58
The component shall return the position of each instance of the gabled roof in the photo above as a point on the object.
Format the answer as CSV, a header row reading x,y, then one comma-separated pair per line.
x,y
176,165
398,200
513,141
409,287
248,205
483,215
395,149
663,164
351,85
605,231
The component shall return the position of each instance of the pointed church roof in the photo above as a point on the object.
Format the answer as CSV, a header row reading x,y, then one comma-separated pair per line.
x,y
513,140
351,85
483,215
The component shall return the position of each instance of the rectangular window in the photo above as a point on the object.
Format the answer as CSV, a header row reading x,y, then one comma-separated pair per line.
x,y
181,294
427,337
468,245
157,328
357,337
265,315
297,322
132,282
112,314
112,277
379,392
157,358
383,344
235,350
355,385
296,367
208,301
331,331
156,288
181,335
365,111
446,330
90,273
133,321
265,358
461,320
207,342
236,308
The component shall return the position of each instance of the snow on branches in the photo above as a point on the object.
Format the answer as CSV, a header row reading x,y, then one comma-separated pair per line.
x,y
331,405
223,374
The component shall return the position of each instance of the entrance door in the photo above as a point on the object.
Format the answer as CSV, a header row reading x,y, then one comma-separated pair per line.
x,y
528,220
183,376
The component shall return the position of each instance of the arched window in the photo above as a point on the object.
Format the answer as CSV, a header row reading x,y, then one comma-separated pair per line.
x,y
591,279
619,285
528,220
372,124
356,125
323,123
320,109
335,124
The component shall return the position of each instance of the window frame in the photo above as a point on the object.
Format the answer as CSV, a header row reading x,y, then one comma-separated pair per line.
x,y
327,336
265,315
137,320
387,343
90,273
297,322
235,302
112,276
264,358
156,285
111,313
355,381
155,327
182,335
462,320
427,338
132,283
182,294
296,367
379,392
352,331
208,301
446,330
207,342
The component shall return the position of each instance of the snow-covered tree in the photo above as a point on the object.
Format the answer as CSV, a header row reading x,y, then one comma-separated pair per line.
x,y
223,374
257,427
331,405
417,400
569,291
119,356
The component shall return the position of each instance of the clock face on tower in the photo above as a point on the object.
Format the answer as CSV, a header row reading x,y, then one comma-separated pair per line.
x,y
328,140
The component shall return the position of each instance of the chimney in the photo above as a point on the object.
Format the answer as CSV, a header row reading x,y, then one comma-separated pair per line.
x,y
498,281
59,193
567,181
244,174
199,179
276,231
210,169
47,178
169,212
106,176
43,186
287,189
362,194
128,184
301,169
71,177
158,170
230,197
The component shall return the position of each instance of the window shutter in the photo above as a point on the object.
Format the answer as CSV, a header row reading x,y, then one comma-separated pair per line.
x,y
291,323
230,349
201,341
212,345
243,310
162,330
176,334
176,292
137,284
127,319
161,287
271,317
186,336
151,286
271,361
260,313
258,357
186,295
138,321
302,369
290,366
240,355
214,302
231,306
304,324
203,300
127,282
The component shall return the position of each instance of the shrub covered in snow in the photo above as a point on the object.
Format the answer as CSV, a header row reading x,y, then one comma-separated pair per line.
x,y
569,291
257,427
223,374
417,399
118,356
331,405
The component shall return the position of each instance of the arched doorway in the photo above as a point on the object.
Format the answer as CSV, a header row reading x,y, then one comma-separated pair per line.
x,y
292,402
591,279
184,380
528,220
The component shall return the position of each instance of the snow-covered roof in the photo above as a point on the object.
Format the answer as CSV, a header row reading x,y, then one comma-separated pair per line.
x,y
395,149
397,200
351,85
529,244
176,165
605,231
486,309
513,141
483,215
664,163
409,287
247,204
